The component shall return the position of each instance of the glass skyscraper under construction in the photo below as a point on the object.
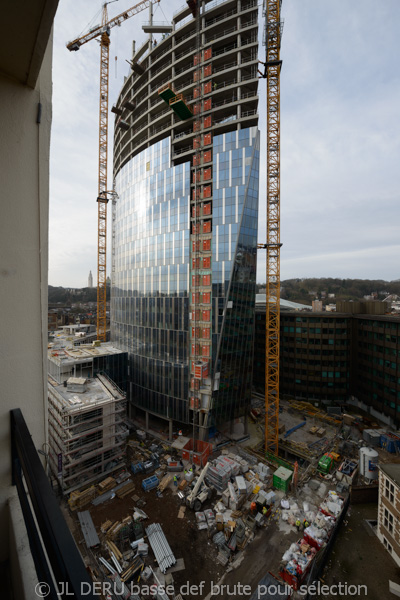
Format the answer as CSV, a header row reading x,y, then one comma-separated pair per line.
x,y
185,222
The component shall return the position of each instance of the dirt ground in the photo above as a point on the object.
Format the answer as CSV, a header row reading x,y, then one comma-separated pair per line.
x,y
186,541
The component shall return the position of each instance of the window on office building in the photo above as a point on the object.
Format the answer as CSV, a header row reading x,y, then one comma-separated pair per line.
x,y
389,490
388,520
387,545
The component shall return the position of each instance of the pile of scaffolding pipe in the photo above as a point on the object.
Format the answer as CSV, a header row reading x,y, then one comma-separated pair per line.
x,y
107,565
160,547
116,563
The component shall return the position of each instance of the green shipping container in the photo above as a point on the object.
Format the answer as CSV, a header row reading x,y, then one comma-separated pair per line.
x,y
281,479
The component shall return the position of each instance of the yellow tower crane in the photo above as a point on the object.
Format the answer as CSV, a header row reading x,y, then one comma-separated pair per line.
x,y
272,69
103,195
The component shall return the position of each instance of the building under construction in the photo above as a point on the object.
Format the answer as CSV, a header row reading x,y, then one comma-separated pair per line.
x,y
186,154
86,360
87,430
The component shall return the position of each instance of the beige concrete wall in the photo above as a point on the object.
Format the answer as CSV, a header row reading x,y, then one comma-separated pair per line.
x,y
24,175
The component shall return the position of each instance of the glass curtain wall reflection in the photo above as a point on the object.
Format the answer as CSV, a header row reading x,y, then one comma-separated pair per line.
x,y
236,164
150,288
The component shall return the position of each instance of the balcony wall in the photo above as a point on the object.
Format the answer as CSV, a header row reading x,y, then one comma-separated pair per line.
x,y
24,173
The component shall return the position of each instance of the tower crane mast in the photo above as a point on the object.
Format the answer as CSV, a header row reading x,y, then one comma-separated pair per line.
x,y
272,69
103,195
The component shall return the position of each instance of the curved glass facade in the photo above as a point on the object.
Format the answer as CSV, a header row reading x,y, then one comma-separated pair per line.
x,y
151,277
150,287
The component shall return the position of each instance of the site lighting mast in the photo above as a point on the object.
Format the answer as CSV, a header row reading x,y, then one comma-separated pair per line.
x,y
102,32
272,69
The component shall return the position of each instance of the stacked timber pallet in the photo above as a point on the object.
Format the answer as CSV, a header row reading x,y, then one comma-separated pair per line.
x,y
165,481
78,500
106,484
128,488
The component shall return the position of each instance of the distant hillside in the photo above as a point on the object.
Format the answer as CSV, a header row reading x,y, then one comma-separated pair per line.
x,y
68,296
296,290
306,290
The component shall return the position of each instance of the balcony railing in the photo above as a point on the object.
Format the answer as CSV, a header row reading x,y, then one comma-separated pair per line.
x,y
59,566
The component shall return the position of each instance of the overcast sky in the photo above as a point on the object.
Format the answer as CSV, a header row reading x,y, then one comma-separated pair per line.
x,y
340,137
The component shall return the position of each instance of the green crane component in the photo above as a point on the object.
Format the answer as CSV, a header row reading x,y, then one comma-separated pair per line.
x,y
166,93
176,102
180,108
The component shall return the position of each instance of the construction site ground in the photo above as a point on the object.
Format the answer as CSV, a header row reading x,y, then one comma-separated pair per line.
x,y
357,557
198,552
186,541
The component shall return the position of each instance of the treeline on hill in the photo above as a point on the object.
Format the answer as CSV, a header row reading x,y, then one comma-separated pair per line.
x,y
67,296
296,290
306,290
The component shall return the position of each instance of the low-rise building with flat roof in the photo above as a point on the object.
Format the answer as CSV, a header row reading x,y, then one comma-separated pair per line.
x,y
87,429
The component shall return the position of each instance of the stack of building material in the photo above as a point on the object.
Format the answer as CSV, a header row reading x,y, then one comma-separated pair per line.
x,y
243,464
112,548
263,472
232,492
125,489
235,467
225,498
113,530
222,558
136,567
270,497
241,538
143,549
159,545
106,526
211,521
241,485
219,519
78,500
122,476
218,475
182,484
164,483
219,538
201,520
107,495
106,485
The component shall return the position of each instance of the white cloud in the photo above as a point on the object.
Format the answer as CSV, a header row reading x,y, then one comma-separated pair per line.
x,y
340,105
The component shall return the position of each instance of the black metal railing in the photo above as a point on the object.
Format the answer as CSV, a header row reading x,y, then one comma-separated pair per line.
x,y
59,566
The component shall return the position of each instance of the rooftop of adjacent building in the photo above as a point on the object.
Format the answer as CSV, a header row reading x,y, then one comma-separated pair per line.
x,y
61,352
80,393
392,471
284,304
